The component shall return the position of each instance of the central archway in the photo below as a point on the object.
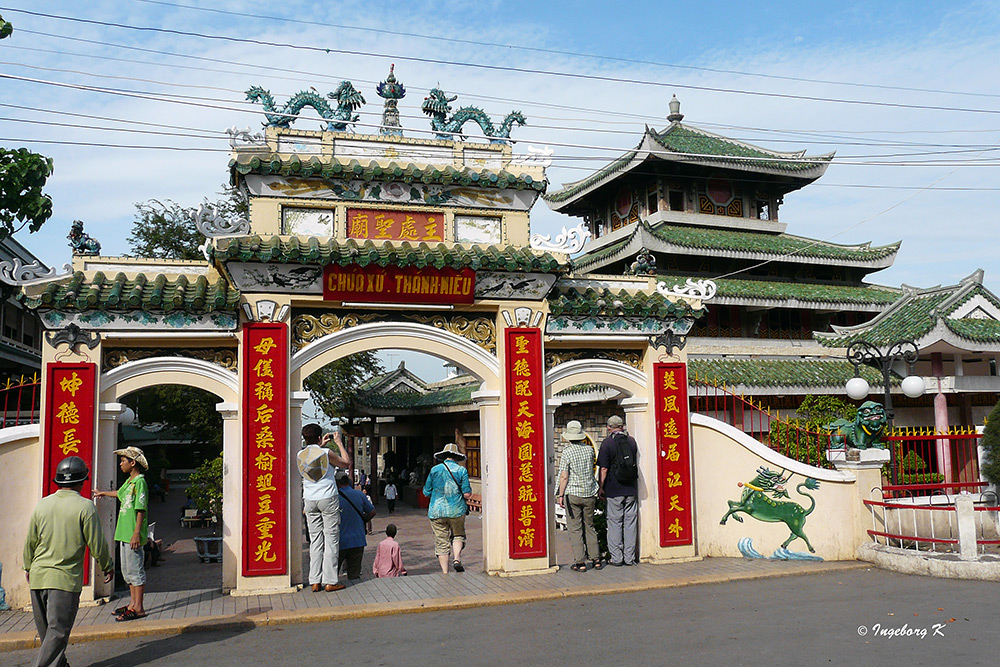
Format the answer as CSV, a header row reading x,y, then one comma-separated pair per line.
x,y
447,346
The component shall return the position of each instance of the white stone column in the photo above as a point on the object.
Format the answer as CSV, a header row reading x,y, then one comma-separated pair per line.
x,y
296,400
493,453
104,477
232,494
552,480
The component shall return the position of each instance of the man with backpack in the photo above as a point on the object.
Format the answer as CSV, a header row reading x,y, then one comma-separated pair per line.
x,y
619,482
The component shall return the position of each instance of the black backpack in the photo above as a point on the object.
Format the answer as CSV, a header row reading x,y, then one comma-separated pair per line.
x,y
625,466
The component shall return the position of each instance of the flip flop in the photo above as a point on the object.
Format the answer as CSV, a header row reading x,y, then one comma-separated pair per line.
x,y
578,567
597,564
128,615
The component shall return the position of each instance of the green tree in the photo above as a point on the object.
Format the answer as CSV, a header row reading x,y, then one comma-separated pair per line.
x,y
189,410
206,487
990,442
803,438
334,388
22,177
166,230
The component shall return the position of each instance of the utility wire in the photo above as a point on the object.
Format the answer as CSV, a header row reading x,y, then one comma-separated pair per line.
x,y
503,68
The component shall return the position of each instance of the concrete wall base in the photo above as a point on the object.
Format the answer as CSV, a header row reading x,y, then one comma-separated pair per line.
x,y
946,566
524,573
238,593
671,561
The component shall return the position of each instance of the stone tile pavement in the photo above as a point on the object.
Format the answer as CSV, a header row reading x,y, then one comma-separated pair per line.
x,y
185,595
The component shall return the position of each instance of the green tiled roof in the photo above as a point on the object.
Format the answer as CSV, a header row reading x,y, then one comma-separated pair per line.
x,y
808,292
757,244
194,294
779,372
684,139
293,250
608,303
703,146
276,165
445,396
916,314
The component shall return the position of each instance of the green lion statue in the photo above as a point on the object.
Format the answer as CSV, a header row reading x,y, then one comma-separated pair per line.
x,y
865,432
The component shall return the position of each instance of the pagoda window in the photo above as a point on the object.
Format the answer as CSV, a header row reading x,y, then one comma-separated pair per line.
x,y
11,322
675,199
652,200
763,208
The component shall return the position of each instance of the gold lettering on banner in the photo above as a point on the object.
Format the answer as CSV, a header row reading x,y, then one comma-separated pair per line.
x,y
70,444
526,537
265,345
71,384
525,494
675,528
264,461
263,368
264,527
68,413
526,474
522,410
264,552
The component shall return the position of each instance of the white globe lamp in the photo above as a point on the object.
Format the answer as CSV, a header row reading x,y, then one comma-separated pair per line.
x,y
857,388
913,386
126,417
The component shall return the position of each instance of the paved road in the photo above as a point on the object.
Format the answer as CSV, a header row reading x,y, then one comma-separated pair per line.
x,y
836,618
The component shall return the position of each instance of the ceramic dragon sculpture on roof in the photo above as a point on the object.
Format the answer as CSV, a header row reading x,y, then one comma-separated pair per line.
x,y
437,105
347,97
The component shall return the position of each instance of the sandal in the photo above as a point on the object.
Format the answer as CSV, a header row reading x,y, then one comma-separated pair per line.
x,y
120,610
128,615
458,566
598,564
578,567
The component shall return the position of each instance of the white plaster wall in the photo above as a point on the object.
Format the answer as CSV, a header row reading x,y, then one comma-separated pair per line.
x,y
20,486
723,457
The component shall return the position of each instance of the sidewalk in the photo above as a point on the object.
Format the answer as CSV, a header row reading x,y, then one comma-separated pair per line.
x,y
178,600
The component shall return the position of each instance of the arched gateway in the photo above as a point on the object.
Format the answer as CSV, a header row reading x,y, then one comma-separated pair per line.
x,y
367,242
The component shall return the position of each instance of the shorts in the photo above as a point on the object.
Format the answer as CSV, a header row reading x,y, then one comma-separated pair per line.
x,y
131,563
447,529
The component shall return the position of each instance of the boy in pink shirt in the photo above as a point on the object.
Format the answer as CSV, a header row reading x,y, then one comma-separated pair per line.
x,y
388,562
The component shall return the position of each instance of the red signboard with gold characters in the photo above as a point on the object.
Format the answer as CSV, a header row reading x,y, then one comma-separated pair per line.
x,y
385,225
393,284
265,447
673,468
71,395
526,443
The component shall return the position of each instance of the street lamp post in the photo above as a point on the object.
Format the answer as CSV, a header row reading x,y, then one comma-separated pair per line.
x,y
862,352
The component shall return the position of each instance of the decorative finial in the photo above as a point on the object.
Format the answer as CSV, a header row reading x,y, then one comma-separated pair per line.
x,y
391,91
81,242
675,110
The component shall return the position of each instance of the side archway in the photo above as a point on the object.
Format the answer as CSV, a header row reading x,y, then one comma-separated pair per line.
x,y
154,371
596,371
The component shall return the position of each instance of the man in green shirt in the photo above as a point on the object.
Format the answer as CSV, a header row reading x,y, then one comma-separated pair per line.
x,y
132,529
62,526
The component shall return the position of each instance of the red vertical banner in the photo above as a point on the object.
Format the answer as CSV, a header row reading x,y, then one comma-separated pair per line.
x,y
70,402
526,443
265,449
673,460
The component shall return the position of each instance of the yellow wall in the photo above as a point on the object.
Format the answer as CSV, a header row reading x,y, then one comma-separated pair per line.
x,y
20,482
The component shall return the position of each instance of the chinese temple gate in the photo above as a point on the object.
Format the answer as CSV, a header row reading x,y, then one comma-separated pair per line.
x,y
366,242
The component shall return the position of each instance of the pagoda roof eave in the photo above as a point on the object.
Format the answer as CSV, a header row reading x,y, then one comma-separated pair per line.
x,y
777,376
677,239
796,169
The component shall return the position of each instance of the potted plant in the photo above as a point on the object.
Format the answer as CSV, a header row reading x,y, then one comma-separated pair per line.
x,y
206,493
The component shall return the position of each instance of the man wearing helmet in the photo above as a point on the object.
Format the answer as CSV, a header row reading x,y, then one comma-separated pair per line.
x,y
62,526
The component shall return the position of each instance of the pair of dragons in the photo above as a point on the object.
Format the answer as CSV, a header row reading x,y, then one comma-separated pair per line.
x,y
437,105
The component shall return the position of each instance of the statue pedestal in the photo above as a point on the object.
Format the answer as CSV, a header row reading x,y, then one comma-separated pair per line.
x,y
852,459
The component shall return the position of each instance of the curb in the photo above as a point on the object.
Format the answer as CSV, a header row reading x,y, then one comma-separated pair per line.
x,y
18,641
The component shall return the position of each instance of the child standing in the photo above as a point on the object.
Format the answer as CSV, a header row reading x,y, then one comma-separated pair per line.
x,y
388,560
132,529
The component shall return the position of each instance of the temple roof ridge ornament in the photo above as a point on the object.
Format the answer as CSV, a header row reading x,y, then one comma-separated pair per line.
x,y
692,289
347,97
212,224
17,273
244,138
391,91
437,105
570,240
537,156
675,110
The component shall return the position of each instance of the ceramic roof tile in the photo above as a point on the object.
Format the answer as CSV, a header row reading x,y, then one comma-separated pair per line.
x,y
605,302
808,292
763,373
292,250
192,294
319,167
444,396
686,139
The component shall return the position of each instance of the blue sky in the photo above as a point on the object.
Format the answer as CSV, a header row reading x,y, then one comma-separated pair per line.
x,y
653,49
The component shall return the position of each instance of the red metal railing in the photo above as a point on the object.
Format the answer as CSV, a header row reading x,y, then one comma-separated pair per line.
x,y
782,435
20,401
926,457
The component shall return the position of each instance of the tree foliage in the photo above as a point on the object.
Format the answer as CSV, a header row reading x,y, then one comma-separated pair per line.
x,y
22,178
166,230
990,442
188,410
803,438
206,486
334,387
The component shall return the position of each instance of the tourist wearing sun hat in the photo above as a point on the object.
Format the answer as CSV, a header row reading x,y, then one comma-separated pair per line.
x,y
132,528
448,488
578,494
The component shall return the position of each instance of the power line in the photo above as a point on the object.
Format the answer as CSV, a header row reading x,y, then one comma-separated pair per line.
x,y
504,68
535,49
